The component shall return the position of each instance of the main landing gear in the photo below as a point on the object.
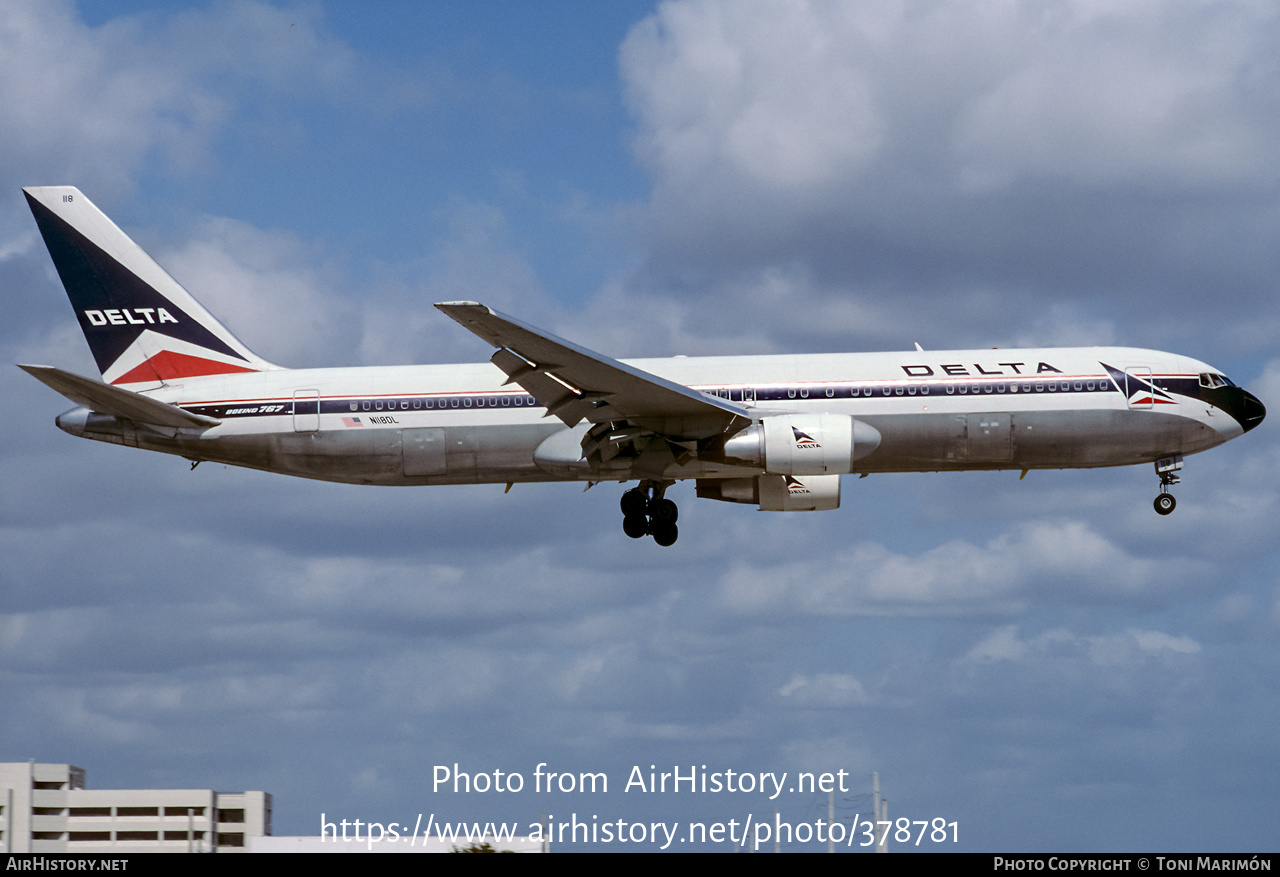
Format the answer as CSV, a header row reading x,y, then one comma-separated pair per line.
x,y
643,515
1167,468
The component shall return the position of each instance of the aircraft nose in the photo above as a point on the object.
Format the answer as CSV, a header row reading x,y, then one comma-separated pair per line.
x,y
1252,411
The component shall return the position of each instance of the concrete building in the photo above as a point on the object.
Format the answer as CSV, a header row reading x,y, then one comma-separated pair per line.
x,y
45,808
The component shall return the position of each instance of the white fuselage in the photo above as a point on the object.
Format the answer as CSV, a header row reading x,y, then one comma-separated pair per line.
x,y
933,410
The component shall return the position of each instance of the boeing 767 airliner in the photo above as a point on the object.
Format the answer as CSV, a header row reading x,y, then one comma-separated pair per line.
x,y
776,432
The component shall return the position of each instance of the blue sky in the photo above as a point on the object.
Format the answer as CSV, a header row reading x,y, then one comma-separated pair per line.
x,y
1045,661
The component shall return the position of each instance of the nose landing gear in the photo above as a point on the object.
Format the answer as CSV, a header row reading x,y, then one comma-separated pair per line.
x,y
646,516
1167,468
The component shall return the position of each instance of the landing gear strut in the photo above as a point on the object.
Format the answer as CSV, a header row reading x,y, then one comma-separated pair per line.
x,y
645,515
1167,468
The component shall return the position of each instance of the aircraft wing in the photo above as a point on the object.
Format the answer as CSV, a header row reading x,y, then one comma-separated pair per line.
x,y
576,384
116,401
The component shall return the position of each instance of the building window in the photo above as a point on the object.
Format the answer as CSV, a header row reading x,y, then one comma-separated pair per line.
x,y
230,815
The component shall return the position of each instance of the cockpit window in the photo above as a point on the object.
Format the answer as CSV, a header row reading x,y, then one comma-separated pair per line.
x,y
1213,380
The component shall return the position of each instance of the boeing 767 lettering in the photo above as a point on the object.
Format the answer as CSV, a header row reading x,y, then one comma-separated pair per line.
x,y
776,432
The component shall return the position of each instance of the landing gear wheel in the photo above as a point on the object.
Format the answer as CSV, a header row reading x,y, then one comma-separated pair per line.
x,y
1165,503
665,534
646,513
635,526
663,511
634,502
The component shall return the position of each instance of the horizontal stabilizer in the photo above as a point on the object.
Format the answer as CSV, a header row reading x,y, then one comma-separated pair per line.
x,y
116,401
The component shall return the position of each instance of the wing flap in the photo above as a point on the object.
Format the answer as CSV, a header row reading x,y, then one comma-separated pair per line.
x,y
116,401
576,384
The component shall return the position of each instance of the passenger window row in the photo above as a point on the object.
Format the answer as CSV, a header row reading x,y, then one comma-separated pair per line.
x,y
506,400
924,389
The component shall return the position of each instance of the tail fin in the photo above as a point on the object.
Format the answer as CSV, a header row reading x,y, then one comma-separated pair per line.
x,y
141,325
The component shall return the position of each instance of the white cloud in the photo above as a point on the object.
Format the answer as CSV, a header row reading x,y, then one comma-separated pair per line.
x,y
723,89
956,165
1067,559
824,690
1134,646
270,289
88,104
787,98
1157,94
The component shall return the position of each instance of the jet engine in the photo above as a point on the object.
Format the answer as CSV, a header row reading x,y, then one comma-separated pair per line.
x,y
776,493
803,444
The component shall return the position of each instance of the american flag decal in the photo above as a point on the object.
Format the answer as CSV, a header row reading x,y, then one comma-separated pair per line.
x,y
351,421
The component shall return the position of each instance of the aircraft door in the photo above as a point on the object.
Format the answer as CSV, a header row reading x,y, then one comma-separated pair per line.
x,y
424,451
989,437
1138,386
306,410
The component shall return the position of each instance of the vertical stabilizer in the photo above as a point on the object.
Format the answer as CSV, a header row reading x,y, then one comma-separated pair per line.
x,y
141,325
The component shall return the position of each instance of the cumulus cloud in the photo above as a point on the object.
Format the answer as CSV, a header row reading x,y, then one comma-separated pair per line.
x,y
1132,646
731,92
271,289
792,97
1068,559
824,690
958,161
1150,94
84,102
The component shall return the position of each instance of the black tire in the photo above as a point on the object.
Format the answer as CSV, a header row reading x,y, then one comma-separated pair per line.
x,y
665,534
635,526
663,511
634,503
1165,503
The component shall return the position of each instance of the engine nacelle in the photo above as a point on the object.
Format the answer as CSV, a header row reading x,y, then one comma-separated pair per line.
x,y
776,493
803,444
